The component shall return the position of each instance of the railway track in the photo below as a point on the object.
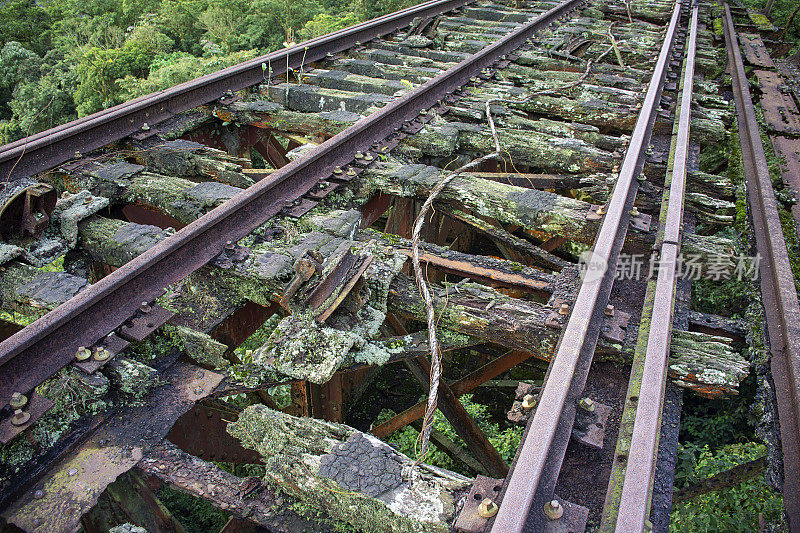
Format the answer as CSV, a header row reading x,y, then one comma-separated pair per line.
x,y
286,187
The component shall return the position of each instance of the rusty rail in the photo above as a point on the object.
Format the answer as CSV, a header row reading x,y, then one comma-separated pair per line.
x,y
777,282
535,470
52,147
41,349
634,505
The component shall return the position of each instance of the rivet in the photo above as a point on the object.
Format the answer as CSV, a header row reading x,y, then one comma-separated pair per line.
x,y
337,170
609,310
18,400
101,354
38,495
20,417
564,309
528,402
587,404
83,353
487,508
553,510
351,172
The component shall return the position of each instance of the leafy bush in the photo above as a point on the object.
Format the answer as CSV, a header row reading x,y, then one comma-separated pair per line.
x,y
732,509
505,441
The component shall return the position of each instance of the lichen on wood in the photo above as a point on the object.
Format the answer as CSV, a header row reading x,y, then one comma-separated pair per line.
x,y
321,463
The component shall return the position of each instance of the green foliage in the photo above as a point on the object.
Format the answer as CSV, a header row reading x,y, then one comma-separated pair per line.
x,y
196,515
505,441
63,59
733,508
324,23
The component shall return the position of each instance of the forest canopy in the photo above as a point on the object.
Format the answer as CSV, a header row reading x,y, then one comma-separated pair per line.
x,y
65,59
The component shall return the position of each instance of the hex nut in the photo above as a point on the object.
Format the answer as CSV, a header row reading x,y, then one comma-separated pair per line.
x,y
83,353
609,310
634,212
359,155
337,170
368,157
587,404
528,402
487,508
101,354
564,309
18,400
20,417
553,510
351,172
145,307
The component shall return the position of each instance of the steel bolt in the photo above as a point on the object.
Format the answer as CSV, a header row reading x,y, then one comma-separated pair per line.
x,y
601,210
368,157
72,471
487,508
145,126
18,400
38,495
553,510
65,195
83,353
609,310
611,180
78,154
564,309
423,111
641,177
528,402
634,212
230,246
337,170
359,155
587,404
351,172
101,354
20,417
145,308
89,199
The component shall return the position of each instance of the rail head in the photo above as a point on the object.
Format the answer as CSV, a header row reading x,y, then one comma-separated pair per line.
x,y
532,479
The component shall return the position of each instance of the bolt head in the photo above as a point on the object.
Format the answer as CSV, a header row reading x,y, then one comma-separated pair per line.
x,y
553,510
635,212
337,170
368,157
145,307
487,508
38,495
65,195
20,417
609,310
587,404
83,353
351,172
528,402
145,126
564,309
101,354
89,199
359,155
18,400
78,154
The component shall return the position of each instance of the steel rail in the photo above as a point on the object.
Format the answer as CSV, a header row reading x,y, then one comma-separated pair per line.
x,y
634,504
35,353
535,470
777,282
52,147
